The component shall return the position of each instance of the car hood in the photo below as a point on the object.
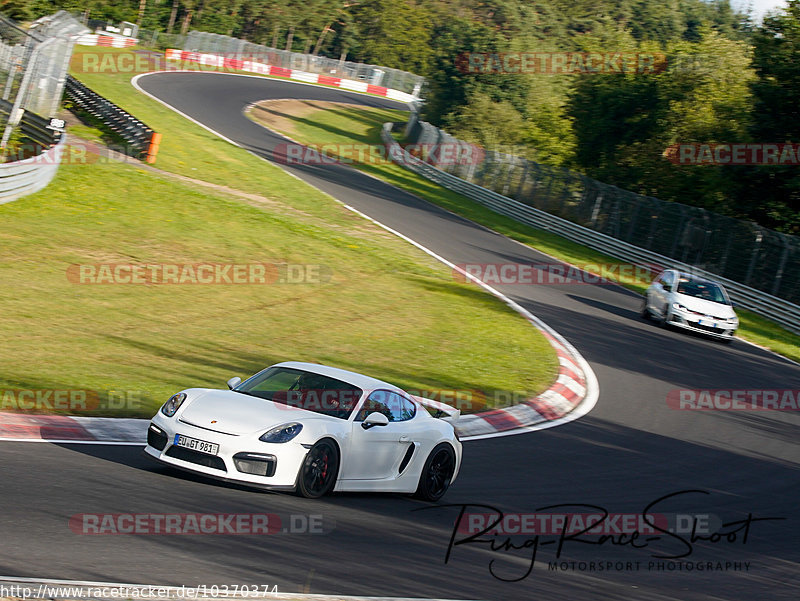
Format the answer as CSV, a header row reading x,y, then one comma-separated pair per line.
x,y
706,307
236,413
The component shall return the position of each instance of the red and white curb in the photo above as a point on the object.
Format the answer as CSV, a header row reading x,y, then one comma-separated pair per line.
x,y
569,389
573,395
26,427
216,61
108,41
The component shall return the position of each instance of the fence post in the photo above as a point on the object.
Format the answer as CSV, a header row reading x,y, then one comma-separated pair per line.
x,y
598,202
522,179
753,257
678,233
779,274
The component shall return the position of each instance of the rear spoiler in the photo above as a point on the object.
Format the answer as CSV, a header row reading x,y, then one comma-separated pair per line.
x,y
441,410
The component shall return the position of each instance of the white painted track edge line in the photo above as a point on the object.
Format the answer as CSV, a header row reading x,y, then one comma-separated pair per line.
x,y
592,385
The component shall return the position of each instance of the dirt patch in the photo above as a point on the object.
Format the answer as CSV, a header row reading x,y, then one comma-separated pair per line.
x,y
278,115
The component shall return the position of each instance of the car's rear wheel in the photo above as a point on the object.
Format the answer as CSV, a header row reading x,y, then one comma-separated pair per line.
x,y
437,473
317,475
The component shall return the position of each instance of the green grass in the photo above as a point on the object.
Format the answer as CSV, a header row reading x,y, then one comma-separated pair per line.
x,y
190,150
349,125
388,310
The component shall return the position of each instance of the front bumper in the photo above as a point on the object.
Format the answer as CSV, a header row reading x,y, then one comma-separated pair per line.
x,y
240,459
715,328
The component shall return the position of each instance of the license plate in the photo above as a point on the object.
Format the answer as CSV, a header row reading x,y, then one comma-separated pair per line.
x,y
209,448
706,322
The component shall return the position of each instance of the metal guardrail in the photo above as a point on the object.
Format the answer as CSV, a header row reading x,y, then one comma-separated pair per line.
x,y
36,161
142,139
737,249
781,311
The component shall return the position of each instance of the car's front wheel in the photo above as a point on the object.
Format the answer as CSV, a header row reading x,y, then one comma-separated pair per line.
x,y
644,311
437,473
665,318
317,475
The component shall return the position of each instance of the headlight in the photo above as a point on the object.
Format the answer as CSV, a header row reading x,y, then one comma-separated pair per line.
x,y
173,404
679,307
282,433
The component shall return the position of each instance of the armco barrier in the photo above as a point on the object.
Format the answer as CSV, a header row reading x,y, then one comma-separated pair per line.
x,y
34,127
29,175
142,139
781,311
216,61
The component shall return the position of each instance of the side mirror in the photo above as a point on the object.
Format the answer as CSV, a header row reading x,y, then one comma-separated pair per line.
x,y
234,382
375,419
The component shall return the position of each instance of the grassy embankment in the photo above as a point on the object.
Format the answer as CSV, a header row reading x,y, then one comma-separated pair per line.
x,y
387,309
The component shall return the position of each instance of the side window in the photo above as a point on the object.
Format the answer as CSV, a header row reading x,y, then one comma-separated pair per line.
x,y
392,405
667,280
377,401
406,409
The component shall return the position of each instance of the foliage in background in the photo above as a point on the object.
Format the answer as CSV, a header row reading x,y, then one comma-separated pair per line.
x,y
728,79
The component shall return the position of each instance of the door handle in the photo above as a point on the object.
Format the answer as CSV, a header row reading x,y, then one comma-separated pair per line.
x,y
404,438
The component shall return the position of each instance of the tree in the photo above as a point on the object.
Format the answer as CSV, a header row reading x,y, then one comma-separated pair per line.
x,y
776,118
625,123
395,33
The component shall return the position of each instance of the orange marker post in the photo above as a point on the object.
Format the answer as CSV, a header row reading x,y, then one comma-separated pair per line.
x,y
152,150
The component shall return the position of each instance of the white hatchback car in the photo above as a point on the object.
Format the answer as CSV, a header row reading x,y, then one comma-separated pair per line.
x,y
690,302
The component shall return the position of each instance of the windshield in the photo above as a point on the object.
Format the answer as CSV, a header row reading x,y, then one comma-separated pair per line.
x,y
705,290
303,389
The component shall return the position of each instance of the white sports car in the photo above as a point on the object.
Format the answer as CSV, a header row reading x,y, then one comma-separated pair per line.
x,y
312,429
687,301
